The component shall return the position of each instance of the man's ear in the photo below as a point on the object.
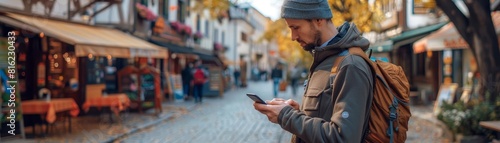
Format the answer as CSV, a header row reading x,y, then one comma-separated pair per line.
x,y
319,22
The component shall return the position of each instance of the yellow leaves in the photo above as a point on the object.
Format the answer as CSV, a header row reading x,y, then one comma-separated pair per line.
x,y
360,12
216,8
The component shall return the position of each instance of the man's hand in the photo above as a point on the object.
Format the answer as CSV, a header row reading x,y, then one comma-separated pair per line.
x,y
273,108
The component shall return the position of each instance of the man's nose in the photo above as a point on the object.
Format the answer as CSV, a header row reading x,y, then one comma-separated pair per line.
x,y
295,37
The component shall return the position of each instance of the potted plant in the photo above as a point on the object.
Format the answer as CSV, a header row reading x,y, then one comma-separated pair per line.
x,y
144,12
463,119
197,36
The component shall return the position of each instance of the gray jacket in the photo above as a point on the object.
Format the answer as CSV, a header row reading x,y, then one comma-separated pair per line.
x,y
335,107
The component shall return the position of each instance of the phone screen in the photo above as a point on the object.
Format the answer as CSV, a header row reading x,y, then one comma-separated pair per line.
x,y
256,98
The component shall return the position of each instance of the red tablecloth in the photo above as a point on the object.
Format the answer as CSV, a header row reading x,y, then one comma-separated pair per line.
x,y
117,102
50,108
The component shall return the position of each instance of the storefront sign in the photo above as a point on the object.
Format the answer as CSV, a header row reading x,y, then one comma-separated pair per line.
x,y
145,53
458,42
423,6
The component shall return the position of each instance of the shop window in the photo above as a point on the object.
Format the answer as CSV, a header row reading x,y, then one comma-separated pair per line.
x,y
62,67
102,70
421,64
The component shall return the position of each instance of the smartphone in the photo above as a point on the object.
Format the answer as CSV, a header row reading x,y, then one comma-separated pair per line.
x,y
256,98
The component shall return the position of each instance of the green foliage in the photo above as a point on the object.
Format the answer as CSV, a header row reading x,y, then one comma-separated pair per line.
x,y
463,118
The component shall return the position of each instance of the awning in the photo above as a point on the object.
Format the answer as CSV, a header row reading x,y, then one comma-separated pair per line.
x,y
404,38
448,38
384,46
413,35
174,48
88,39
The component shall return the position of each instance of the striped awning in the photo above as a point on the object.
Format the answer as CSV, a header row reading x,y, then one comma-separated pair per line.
x,y
87,39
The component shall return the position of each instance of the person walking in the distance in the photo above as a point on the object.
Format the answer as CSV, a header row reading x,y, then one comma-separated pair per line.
x,y
187,76
335,107
276,76
200,76
295,75
236,75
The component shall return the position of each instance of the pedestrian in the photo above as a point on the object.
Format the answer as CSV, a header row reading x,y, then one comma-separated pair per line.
x,y
187,76
295,75
276,75
236,75
335,108
200,76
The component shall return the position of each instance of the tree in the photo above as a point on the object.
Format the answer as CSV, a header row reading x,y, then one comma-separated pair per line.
x,y
360,12
478,31
216,8
288,49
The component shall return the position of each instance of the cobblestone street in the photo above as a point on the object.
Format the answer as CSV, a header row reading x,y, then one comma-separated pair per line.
x,y
227,119
233,119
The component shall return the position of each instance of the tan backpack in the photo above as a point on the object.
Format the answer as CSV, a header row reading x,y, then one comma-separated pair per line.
x,y
389,112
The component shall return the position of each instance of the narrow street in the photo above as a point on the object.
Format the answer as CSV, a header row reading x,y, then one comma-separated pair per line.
x,y
227,119
232,118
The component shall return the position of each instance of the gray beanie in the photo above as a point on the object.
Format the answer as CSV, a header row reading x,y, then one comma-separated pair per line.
x,y
306,9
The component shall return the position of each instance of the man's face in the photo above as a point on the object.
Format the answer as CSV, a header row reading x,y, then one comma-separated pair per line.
x,y
305,32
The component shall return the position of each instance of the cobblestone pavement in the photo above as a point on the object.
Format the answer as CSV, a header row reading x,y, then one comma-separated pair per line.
x,y
424,127
97,128
226,119
233,119
230,119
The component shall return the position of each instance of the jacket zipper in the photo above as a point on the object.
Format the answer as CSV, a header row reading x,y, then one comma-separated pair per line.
x,y
310,71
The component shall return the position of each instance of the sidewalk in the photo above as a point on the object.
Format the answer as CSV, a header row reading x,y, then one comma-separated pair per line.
x,y
424,127
97,129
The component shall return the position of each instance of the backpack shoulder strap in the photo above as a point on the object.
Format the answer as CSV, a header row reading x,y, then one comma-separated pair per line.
x,y
336,63
352,51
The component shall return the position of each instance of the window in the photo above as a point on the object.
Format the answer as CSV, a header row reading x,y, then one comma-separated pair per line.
x,y
216,35
165,9
181,12
243,37
421,64
198,23
206,28
223,37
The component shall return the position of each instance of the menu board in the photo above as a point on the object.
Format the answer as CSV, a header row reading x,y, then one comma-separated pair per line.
x,y
215,78
147,86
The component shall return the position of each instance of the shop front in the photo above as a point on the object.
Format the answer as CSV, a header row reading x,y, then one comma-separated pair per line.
x,y
79,61
182,56
398,50
455,58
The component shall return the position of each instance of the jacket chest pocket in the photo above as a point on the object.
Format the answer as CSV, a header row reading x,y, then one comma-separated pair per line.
x,y
311,101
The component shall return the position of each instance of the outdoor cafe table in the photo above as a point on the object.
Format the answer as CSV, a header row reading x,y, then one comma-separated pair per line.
x,y
116,102
49,108
492,125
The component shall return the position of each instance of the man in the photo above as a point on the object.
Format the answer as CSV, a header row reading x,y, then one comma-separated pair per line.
x,y
294,78
276,75
199,79
335,108
187,76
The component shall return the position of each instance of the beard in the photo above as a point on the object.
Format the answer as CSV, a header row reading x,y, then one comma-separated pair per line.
x,y
311,46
